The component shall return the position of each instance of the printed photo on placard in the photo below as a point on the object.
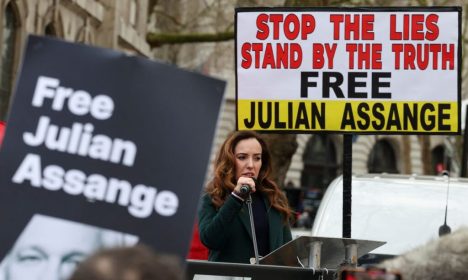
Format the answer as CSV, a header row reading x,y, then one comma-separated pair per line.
x,y
51,248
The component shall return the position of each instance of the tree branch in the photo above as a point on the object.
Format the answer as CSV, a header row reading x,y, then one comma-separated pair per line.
x,y
158,39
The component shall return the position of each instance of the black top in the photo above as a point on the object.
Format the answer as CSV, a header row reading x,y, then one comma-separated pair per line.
x,y
262,230
218,228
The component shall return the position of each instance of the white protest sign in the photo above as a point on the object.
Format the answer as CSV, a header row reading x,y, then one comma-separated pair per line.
x,y
357,70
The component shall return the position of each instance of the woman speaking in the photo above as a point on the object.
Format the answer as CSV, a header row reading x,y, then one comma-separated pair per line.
x,y
242,168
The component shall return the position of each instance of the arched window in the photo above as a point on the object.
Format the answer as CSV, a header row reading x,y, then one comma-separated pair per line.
x,y
382,158
10,29
440,161
320,164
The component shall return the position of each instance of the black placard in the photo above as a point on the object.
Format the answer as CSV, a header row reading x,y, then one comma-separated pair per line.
x,y
103,139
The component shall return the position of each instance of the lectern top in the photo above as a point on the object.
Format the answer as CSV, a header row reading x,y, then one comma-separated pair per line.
x,y
332,251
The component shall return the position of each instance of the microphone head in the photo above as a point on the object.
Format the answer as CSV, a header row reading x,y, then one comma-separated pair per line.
x,y
245,189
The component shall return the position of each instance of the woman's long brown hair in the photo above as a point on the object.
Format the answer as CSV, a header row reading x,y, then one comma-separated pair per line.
x,y
224,179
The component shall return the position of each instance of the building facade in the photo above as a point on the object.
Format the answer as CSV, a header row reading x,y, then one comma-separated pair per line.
x,y
120,25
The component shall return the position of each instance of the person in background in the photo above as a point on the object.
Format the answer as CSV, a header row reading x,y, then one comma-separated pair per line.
x,y
197,250
138,262
224,225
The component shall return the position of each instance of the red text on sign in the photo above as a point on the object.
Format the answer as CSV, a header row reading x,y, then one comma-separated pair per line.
x,y
414,27
290,25
366,56
274,56
322,53
423,56
354,27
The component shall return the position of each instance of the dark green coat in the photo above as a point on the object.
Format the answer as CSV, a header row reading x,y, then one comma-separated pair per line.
x,y
226,232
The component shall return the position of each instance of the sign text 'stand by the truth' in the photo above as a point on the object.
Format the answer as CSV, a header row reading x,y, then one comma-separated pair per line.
x,y
385,71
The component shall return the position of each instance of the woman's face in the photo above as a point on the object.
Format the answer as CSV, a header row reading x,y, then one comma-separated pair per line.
x,y
248,154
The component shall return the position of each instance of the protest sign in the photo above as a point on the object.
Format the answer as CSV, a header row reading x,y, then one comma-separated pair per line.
x,y
358,70
100,139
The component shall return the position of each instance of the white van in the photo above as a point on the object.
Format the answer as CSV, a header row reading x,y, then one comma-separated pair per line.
x,y
403,210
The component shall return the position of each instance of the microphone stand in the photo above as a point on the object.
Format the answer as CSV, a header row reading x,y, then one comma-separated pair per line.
x,y
252,228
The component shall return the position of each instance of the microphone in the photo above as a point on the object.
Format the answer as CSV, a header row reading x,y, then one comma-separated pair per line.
x,y
245,189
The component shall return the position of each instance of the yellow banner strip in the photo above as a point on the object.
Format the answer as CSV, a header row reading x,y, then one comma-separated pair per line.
x,y
350,116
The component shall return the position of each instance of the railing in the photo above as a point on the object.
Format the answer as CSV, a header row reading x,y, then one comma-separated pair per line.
x,y
201,270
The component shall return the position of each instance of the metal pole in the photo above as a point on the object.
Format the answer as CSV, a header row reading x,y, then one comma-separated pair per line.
x,y
315,252
347,172
252,228
465,146
351,254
